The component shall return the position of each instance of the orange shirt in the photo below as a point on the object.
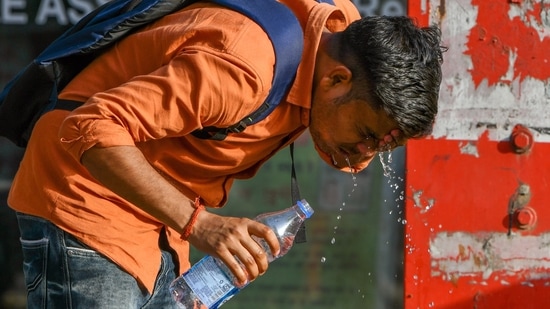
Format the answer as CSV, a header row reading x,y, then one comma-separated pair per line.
x,y
201,66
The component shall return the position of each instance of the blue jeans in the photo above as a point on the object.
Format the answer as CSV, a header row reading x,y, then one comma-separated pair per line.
x,y
61,272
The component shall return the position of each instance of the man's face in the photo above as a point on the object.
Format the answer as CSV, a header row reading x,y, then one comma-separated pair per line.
x,y
351,132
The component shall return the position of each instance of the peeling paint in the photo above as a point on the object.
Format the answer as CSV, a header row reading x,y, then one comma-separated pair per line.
x,y
512,43
496,69
424,6
424,206
469,148
486,256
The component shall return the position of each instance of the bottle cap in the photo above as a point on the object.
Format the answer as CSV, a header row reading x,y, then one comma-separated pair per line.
x,y
304,206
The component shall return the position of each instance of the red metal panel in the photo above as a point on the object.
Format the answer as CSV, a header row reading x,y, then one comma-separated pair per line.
x,y
458,253
478,202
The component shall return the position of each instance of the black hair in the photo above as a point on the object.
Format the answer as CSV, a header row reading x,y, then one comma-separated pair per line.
x,y
396,66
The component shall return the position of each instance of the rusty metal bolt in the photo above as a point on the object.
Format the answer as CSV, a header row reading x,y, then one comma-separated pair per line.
x,y
521,139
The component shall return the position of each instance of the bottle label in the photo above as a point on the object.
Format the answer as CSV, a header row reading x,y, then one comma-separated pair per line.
x,y
210,283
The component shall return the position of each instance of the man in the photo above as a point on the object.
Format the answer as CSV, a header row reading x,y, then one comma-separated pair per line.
x,y
110,196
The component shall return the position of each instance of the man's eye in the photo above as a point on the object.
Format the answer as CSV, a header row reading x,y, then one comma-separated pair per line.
x,y
368,136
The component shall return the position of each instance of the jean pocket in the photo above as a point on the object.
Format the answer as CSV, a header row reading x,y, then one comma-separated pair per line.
x,y
77,252
85,263
76,249
35,261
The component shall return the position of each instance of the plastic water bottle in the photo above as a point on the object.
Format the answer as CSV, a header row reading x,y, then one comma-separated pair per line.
x,y
210,283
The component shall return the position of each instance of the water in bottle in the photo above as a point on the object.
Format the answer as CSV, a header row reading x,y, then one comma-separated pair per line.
x,y
209,282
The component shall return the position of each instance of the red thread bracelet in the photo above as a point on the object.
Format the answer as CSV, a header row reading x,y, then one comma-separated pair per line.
x,y
189,226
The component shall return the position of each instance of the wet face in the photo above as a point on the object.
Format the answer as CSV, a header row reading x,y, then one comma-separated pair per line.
x,y
351,131
346,131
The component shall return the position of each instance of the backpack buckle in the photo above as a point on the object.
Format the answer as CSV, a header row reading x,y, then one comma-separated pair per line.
x,y
238,128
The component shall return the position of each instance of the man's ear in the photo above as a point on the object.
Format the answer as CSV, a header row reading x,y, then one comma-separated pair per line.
x,y
337,79
340,75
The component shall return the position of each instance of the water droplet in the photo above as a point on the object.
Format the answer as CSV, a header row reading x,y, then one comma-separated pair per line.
x,y
323,259
333,240
338,217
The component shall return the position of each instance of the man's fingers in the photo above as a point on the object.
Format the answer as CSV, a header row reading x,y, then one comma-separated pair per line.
x,y
396,133
390,141
235,267
262,231
256,261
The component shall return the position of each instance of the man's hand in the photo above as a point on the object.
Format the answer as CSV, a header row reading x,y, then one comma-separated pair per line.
x,y
230,240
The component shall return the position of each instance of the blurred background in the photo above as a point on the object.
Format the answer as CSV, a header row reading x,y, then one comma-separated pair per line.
x,y
353,256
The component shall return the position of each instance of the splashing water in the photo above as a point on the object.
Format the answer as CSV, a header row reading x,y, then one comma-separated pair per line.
x,y
394,181
396,185
339,216
386,167
352,176
354,179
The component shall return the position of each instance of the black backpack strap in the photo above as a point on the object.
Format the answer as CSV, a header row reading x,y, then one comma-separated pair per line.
x,y
295,194
67,105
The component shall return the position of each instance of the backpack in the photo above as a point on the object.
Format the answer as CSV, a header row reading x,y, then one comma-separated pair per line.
x,y
34,90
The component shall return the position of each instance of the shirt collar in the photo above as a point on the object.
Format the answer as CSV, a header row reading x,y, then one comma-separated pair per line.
x,y
321,16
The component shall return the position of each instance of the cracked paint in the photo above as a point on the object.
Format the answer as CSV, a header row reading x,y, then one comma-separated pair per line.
x,y
496,69
485,256
469,148
507,35
424,204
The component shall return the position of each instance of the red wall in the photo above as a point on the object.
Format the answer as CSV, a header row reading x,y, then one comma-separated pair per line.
x,y
477,207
